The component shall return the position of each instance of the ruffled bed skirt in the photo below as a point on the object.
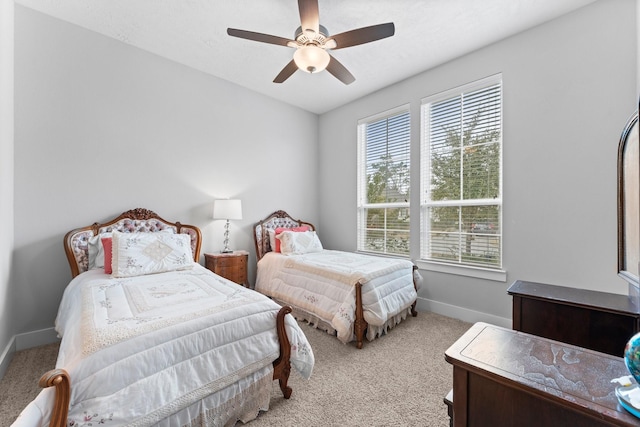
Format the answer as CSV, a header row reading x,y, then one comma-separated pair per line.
x,y
241,401
373,331
377,331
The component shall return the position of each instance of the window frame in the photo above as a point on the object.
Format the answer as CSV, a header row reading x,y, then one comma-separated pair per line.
x,y
362,203
459,267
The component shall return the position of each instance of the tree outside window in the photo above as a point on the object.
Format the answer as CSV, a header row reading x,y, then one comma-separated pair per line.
x,y
461,177
384,190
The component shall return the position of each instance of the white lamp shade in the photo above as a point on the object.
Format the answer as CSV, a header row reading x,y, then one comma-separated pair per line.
x,y
227,209
311,59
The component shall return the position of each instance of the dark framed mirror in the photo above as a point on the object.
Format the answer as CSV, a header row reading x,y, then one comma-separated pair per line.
x,y
629,205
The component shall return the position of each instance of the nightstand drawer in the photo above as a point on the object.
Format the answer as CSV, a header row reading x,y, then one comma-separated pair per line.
x,y
235,274
231,266
231,262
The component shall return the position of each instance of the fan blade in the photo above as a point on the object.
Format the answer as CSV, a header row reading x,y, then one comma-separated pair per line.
x,y
259,37
286,72
309,15
362,35
340,72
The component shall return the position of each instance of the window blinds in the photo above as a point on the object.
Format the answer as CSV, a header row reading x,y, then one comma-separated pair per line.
x,y
461,203
384,183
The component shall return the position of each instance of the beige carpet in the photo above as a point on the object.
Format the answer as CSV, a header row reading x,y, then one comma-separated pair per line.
x,y
398,380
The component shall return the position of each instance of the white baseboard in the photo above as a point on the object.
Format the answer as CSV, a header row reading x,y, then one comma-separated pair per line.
x,y
461,313
24,341
36,338
6,356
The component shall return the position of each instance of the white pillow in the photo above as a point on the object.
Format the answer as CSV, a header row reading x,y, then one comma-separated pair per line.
x,y
96,251
135,254
299,242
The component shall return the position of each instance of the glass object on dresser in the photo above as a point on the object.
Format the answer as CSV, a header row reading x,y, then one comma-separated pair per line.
x,y
629,207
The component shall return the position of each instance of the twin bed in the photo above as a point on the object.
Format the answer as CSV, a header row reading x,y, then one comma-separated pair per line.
x,y
344,293
150,337
159,339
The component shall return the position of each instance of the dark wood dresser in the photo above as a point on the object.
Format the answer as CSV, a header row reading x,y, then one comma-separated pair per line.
x,y
503,377
599,321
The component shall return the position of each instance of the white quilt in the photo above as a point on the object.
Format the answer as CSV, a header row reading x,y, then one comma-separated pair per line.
x,y
322,284
139,349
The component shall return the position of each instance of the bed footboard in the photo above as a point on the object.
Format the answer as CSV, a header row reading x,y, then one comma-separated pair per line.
x,y
282,365
360,325
58,378
414,313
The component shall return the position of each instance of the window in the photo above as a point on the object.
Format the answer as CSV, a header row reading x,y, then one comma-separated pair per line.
x,y
461,175
383,183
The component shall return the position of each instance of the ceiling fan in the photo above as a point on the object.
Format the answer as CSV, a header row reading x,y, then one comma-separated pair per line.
x,y
312,41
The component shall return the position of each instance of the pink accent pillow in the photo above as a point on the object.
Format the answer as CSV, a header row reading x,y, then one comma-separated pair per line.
x,y
278,231
106,244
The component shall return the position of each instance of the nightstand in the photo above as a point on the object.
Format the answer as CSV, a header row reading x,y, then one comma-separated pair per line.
x,y
232,266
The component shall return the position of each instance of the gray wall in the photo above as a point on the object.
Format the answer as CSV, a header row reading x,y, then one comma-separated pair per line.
x,y
6,178
569,88
102,127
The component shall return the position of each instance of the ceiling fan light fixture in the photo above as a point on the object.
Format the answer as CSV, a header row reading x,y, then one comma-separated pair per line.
x,y
310,36
312,42
311,58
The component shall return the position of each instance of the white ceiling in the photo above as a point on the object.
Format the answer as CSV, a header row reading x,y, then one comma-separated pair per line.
x,y
193,32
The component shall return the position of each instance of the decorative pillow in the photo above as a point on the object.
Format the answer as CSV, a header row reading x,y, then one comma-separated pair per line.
x,y
299,242
96,251
135,254
276,247
107,244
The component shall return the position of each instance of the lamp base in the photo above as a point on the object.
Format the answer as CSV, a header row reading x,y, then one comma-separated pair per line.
x,y
226,249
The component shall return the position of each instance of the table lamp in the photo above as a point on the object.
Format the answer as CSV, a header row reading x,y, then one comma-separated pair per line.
x,y
227,209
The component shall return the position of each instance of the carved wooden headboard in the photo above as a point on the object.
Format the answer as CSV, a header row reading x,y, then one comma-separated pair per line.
x,y
76,242
278,219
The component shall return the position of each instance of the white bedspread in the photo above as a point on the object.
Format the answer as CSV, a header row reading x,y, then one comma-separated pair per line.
x,y
140,349
322,284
